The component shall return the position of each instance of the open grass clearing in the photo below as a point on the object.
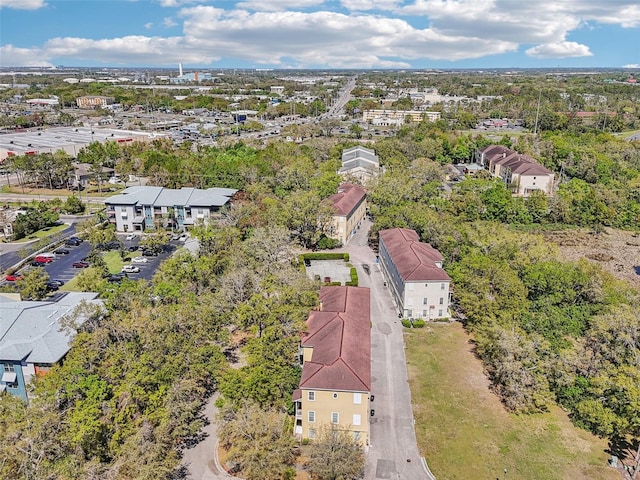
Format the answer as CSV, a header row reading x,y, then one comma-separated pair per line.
x,y
45,232
464,432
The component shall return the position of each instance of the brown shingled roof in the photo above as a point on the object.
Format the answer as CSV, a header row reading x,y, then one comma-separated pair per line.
x,y
347,199
340,336
414,260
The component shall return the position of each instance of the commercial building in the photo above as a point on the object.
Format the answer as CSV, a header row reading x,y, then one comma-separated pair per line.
x,y
94,101
141,208
67,139
33,339
350,207
398,117
414,274
335,353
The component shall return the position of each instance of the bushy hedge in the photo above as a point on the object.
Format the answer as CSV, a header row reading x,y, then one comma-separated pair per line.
x,y
406,322
354,278
323,256
417,323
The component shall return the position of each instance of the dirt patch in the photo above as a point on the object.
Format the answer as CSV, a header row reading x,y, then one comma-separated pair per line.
x,y
617,251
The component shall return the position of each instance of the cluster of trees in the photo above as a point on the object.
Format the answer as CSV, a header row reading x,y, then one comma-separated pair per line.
x,y
36,216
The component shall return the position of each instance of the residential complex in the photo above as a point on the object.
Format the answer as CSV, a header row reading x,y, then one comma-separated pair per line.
x,y
522,174
413,271
359,162
350,207
142,208
94,101
33,338
336,365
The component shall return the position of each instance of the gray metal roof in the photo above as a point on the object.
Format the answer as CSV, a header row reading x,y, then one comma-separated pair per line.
x,y
31,331
167,197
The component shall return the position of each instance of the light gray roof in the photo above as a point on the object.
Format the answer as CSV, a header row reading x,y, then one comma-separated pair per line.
x,y
167,197
359,152
31,331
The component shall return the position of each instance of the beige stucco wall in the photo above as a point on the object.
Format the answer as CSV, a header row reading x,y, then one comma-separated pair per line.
x,y
325,404
344,225
528,183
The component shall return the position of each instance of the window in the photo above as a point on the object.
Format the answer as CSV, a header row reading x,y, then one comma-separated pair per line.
x,y
357,420
311,416
439,313
356,436
357,398
335,395
409,300
335,417
9,367
312,433
424,301
410,286
441,300
409,313
311,396
424,313
442,286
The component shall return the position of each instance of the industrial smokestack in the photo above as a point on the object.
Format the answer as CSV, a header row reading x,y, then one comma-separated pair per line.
x,y
180,68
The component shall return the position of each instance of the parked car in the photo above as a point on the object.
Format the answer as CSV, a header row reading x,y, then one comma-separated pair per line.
x,y
80,264
43,259
57,282
132,248
131,236
14,277
113,245
61,251
52,286
149,253
131,269
139,260
36,263
73,242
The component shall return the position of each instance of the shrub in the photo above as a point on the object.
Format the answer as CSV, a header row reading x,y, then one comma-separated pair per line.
x,y
326,243
322,256
406,322
354,278
418,323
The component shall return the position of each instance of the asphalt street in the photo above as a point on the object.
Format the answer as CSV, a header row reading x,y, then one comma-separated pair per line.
x,y
393,453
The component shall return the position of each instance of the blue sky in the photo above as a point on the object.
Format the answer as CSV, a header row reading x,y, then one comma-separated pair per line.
x,y
321,33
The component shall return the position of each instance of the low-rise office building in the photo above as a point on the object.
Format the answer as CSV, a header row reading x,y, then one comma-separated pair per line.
x,y
359,162
142,208
335,385
413,271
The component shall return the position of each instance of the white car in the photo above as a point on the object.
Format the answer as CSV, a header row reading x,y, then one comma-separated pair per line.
x,y
130,269
139,260
131,236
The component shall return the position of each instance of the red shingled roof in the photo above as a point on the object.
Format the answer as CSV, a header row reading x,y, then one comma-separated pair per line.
x,y
347,199
340,336
415,260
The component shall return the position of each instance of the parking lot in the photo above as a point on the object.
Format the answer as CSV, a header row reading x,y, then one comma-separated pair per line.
x,y
335,270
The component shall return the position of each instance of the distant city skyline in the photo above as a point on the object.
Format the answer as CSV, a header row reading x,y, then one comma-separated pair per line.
x,y
321,34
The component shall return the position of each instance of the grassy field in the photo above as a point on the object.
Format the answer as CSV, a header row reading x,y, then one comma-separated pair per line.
x,y
45,232
464,432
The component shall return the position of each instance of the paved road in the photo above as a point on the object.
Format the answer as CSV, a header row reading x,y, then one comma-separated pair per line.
x,y
21,197
393,453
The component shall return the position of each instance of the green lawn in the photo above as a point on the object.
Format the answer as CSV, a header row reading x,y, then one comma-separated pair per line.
x,y
464,432
114,264
45,232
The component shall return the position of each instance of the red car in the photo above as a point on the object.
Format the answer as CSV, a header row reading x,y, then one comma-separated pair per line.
x,y
80,264
43,259
14,277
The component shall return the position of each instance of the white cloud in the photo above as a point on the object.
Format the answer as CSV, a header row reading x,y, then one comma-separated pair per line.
x,y
277,5
559,50
366,5
23,4
23,57
631,65
169,22
148,25
179,3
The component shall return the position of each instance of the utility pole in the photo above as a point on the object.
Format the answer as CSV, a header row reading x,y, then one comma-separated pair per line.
x,y
535,128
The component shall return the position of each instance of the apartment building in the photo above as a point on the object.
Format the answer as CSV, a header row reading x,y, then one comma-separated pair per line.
x,y
359,162
335,352
141,208
350,207
414,274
